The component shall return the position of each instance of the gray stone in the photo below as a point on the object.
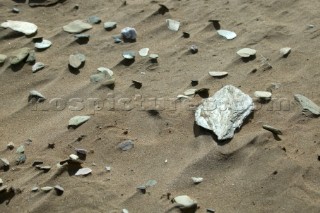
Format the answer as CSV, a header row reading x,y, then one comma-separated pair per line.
x,y
224,112
31,57
272,129
26,28
126,145
154,56
94,20
2,58
129,33
37,66
82,36
21,159
59,190
307,104
35,189
15,10
264,95
197,180
4,162
124,211
285,51
44,44
77,26
76,60
19,55
143,52
78,120
110,25
37,162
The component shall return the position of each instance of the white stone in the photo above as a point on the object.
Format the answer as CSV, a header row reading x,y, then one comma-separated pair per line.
x,y
37,94
224,112
246,52
73,157
83,171
37,66
144,52
263,95
185,201
105,70
173,25
190,92
128,55
197,180
227,34
285,51
46,188
44,44
26,28
78,120
218,74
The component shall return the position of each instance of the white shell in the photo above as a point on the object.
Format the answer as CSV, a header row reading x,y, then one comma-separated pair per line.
x,y
144,52
173,25
227,34
246,52
26,28
218,74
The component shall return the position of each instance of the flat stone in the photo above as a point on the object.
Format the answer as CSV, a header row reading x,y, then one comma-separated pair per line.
x,y
83,172
173,25
82,36
197,180
74,157
44,44
37,66
77,26
105,70
104,75
190,92
19,55
154,56
265,95
37,162
130,55
94,20
129,33
126,145
46,188
26,28
2,58
272,129
78,120
45,168
35,189
229,35
285,51
36,95
4,161
218,74
15,10
185,201
110,25
307,104
224,112
144,52
246,52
